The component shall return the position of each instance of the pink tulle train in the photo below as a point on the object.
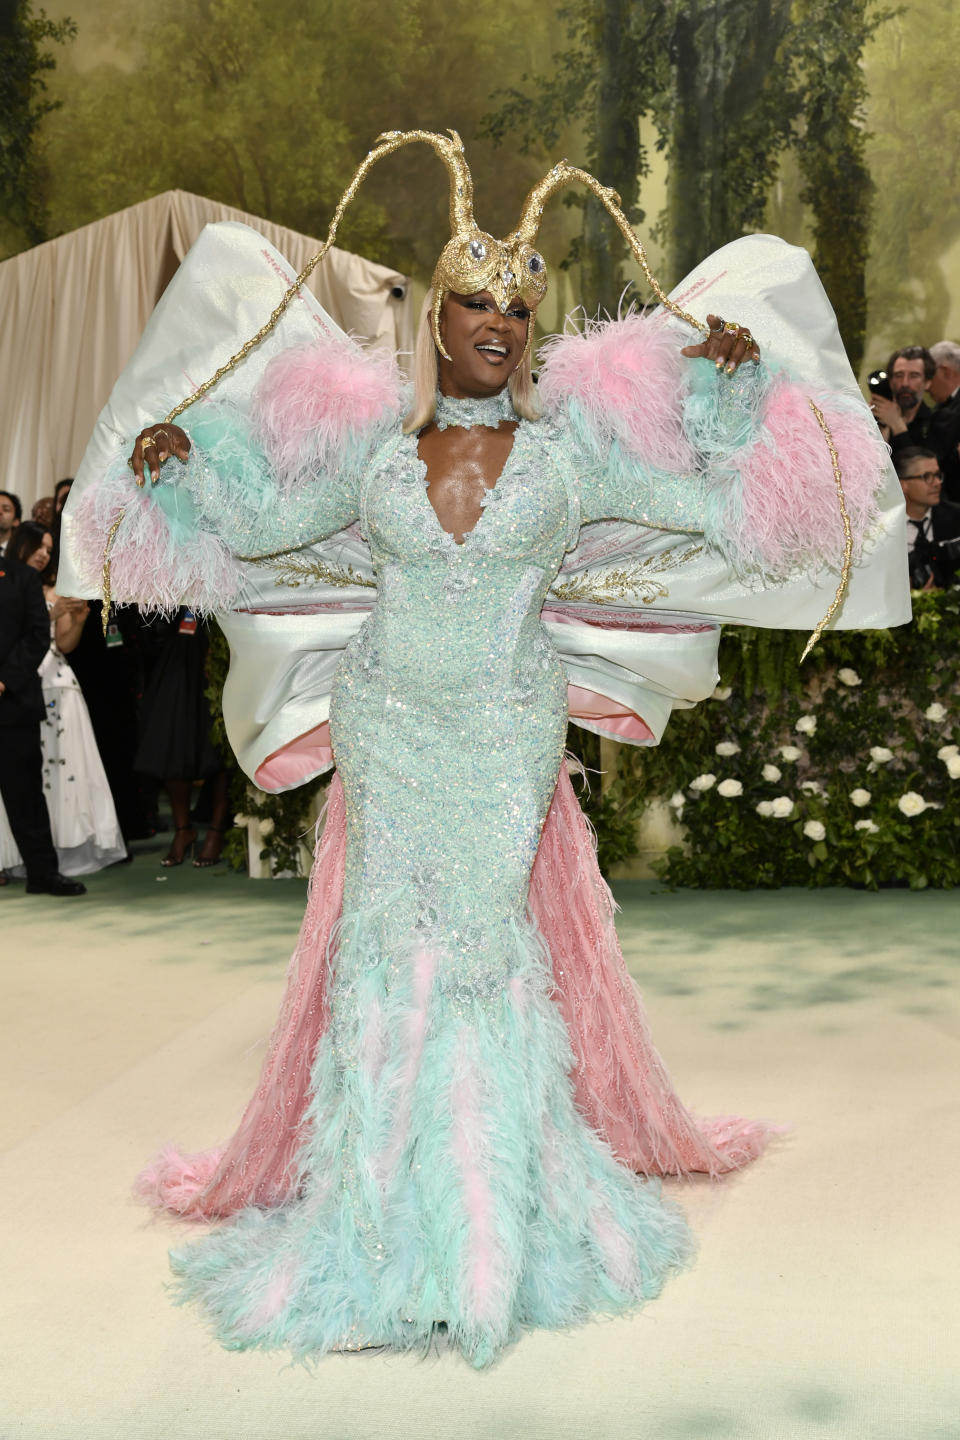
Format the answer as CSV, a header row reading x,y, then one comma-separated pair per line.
x,y
621,1085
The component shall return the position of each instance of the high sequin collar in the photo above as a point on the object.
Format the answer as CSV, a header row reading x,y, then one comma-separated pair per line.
x,y
474,412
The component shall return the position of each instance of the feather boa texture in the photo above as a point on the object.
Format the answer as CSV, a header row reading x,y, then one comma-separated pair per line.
x,y
771,506
258,1165
470,1220
161,557
620,380
621,1085
320,407
771,500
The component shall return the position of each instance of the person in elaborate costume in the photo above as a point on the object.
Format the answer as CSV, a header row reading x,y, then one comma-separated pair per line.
x,y
461,1088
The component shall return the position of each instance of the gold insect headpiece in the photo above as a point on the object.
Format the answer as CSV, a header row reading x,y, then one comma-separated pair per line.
x,y
471,260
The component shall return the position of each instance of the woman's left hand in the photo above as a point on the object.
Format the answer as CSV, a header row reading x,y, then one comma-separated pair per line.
x,y
728,345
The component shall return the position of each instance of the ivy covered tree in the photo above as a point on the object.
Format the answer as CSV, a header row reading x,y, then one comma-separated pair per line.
x,y
25,63
614,70
729,85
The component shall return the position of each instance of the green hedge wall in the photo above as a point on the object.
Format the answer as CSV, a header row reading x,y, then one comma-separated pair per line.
x,y
845,771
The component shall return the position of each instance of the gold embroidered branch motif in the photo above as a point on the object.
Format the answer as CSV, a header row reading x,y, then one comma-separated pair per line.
x,y
847,557
296,570
637,580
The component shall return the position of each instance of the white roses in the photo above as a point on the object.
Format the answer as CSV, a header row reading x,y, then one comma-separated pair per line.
x,y
703,782
867,826
880,755
779,809
729,789
860,798
912,804
728,747
950,755
806,725
848,676
771,773
815,830
677,801
790,753
935,712
722,692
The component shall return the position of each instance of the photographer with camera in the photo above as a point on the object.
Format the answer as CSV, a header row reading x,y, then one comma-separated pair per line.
x,y
933,525
897,397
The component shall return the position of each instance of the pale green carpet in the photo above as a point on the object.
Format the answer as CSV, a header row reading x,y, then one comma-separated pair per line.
x,y
824,1300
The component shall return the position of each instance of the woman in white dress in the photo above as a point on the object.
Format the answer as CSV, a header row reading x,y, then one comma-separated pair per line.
x,y
82,815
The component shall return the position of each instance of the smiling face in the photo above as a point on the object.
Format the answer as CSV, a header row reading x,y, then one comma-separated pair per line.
x,y
485,346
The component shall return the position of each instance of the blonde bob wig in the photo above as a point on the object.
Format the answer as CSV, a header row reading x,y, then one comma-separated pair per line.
x,y
523,392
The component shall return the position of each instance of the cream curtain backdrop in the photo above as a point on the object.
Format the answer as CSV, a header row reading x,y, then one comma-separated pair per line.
x,y
72,311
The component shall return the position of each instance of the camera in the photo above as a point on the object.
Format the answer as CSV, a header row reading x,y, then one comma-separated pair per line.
x,y
939,559
879,384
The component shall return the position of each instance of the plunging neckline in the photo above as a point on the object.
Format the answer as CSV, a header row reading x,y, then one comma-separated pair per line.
x,y
489,490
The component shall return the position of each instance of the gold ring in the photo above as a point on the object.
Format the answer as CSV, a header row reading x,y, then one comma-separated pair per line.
x,y
148,441
747,338
730,328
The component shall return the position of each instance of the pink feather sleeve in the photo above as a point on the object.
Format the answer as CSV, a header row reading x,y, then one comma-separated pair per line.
x,y
319,407
635,405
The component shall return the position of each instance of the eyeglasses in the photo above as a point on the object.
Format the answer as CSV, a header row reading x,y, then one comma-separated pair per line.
x,y
928,475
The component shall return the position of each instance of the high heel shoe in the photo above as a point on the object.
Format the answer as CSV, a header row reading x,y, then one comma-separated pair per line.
x,y
172,858
205,862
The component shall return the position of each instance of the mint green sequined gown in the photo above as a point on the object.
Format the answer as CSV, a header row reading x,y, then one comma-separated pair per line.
x,y
445,1175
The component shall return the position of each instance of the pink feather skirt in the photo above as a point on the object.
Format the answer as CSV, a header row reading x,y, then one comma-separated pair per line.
x,y
621,1085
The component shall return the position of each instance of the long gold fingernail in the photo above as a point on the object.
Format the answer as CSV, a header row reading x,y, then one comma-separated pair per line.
x,y
731,367
719,364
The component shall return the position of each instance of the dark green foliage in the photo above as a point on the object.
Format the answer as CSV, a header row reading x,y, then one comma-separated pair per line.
x,y
730,86
730,113
614,69
24,65
727,844
612,810
285,812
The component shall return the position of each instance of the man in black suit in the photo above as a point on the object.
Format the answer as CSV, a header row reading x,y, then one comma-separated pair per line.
x,y
11,513
905,419
932,523
943,433
24,638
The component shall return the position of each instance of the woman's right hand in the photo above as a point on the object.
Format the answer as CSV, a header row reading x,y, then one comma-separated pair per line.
x,y
155,444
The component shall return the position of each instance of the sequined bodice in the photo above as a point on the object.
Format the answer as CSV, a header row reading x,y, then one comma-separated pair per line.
x,y
453,673
524,516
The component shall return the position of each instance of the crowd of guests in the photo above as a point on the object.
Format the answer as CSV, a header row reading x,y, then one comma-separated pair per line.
x,y
93,719
916,400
